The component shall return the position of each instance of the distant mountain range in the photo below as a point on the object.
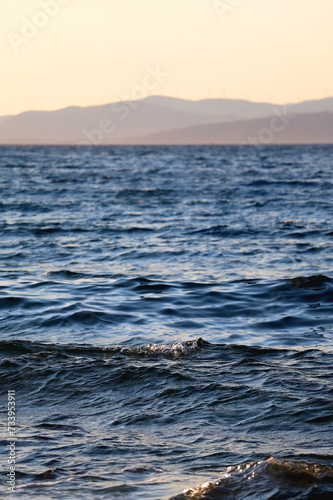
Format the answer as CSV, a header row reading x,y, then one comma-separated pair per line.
x,y
167,120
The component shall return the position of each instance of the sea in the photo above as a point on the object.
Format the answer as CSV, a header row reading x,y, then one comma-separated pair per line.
x,y
166,322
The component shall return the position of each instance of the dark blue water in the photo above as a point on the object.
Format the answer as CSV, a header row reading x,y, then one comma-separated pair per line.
x,y
166,314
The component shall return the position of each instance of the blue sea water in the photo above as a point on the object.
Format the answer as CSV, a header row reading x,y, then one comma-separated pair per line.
x,y
166,321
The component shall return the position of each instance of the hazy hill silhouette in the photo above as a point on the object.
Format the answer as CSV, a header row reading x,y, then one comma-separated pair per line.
x,y
311,128
4,118
167,120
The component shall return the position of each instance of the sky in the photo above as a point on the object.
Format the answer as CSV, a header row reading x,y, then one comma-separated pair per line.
x,y
57,53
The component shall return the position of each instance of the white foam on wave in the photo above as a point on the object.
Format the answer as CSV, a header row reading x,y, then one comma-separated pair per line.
x,y
176,349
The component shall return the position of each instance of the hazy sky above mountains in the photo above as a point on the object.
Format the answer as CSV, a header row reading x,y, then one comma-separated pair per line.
x,y
56,53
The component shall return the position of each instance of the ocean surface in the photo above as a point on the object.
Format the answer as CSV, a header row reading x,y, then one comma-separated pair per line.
x,y
166,321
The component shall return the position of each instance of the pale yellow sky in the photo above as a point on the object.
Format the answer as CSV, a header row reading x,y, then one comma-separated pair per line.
x,y
56,53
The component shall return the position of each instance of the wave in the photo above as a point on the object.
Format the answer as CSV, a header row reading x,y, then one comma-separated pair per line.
x,y
310,281
67,274
223,231
269,479
235,353
21,347
295,311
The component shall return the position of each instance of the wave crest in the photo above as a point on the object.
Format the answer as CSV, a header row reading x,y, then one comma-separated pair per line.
x,y
268,479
